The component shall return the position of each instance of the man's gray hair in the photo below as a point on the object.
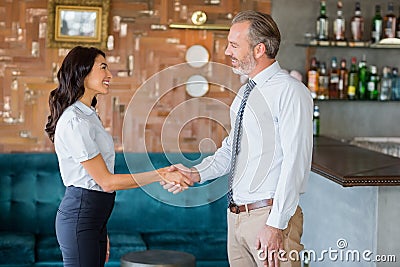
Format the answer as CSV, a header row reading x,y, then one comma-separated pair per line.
x,y
263,29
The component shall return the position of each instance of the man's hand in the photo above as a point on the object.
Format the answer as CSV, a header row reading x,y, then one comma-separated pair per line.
x,y
174,178
270,241
191,174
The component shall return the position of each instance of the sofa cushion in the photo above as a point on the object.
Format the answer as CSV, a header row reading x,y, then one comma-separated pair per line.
x,y
135,206
17,248
30,195
49,264
47,249
203,245
221,263
121,243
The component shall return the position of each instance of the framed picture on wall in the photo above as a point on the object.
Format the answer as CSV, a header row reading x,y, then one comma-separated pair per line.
x,y
80,23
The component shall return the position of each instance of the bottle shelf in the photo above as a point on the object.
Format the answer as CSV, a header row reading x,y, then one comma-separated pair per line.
x,y
317,100
348,44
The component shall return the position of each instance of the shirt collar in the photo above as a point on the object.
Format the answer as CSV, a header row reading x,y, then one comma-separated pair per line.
x,y
267,73
82,107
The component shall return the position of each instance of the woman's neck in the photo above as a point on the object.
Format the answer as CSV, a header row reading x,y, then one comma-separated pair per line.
x,y
87,100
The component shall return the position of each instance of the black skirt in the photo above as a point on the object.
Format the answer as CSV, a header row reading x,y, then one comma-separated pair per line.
x,y
81,226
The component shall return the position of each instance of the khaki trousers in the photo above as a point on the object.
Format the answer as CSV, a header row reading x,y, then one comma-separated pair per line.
x,y
243,229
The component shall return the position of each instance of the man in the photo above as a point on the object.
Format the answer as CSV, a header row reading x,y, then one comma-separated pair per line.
x,y
269,157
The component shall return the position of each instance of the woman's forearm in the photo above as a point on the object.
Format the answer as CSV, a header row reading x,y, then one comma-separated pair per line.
x,y
111,182
127,181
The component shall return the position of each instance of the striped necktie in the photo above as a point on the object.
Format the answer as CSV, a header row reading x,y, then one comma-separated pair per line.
x,y
237,136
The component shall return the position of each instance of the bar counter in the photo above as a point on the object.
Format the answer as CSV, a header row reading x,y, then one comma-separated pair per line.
x,y
351,206
349,165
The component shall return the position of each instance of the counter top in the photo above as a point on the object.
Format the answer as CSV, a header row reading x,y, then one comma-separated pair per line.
x,y
349,165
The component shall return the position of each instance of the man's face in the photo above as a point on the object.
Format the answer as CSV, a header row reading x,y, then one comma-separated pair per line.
x,y
239,49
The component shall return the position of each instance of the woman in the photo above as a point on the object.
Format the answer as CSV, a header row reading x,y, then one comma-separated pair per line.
x,y
86,156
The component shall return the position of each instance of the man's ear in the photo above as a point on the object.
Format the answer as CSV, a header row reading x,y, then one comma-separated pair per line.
x,y
259,50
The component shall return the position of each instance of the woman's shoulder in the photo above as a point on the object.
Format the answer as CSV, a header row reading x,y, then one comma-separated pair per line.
x,y
72,116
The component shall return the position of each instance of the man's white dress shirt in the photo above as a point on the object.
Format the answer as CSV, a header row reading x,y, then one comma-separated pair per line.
x,y
276,146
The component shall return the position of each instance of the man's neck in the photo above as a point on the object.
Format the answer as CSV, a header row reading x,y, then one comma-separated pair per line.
x,y
262,64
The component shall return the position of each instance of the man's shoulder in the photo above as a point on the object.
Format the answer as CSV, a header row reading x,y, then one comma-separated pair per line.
x,y
282,81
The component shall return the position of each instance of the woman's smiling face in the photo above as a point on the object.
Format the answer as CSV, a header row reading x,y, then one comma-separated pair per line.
x,y
98,80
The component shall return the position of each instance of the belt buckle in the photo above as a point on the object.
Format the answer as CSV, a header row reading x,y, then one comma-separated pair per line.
x,y
234,208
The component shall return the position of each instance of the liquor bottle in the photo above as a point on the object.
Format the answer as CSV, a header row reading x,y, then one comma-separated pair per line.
x,y
334,79
389,23
376,29
343,77
362,79
323,86
395,84
386,84
357,24
339,25
313,78
373,83
322,23
398,25
353,80
316,121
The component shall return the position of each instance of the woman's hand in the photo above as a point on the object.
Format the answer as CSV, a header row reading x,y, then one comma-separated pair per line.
x,y
175,178
108,249
191,173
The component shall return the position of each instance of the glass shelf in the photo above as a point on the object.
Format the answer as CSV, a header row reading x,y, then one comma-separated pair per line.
x,y
355,100
344,44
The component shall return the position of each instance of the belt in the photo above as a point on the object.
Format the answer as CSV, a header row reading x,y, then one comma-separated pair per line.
x,y
252,206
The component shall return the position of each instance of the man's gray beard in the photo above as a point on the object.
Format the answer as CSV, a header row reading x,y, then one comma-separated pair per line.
x,y
237,71
249,67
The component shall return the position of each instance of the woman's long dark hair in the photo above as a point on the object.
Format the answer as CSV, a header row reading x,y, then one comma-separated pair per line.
x,y
73,71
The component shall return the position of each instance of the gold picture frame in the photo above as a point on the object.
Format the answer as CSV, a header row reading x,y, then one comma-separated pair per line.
x,y
77,22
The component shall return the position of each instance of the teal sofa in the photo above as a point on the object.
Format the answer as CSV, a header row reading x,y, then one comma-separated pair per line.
x,y
143,218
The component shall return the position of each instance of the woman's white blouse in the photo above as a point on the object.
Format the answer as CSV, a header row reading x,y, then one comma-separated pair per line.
x,y
80,136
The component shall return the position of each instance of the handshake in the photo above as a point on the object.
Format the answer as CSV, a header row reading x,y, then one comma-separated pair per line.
x,y
177,178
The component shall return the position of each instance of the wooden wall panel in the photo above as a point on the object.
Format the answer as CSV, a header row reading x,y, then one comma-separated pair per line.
x,y
28,68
